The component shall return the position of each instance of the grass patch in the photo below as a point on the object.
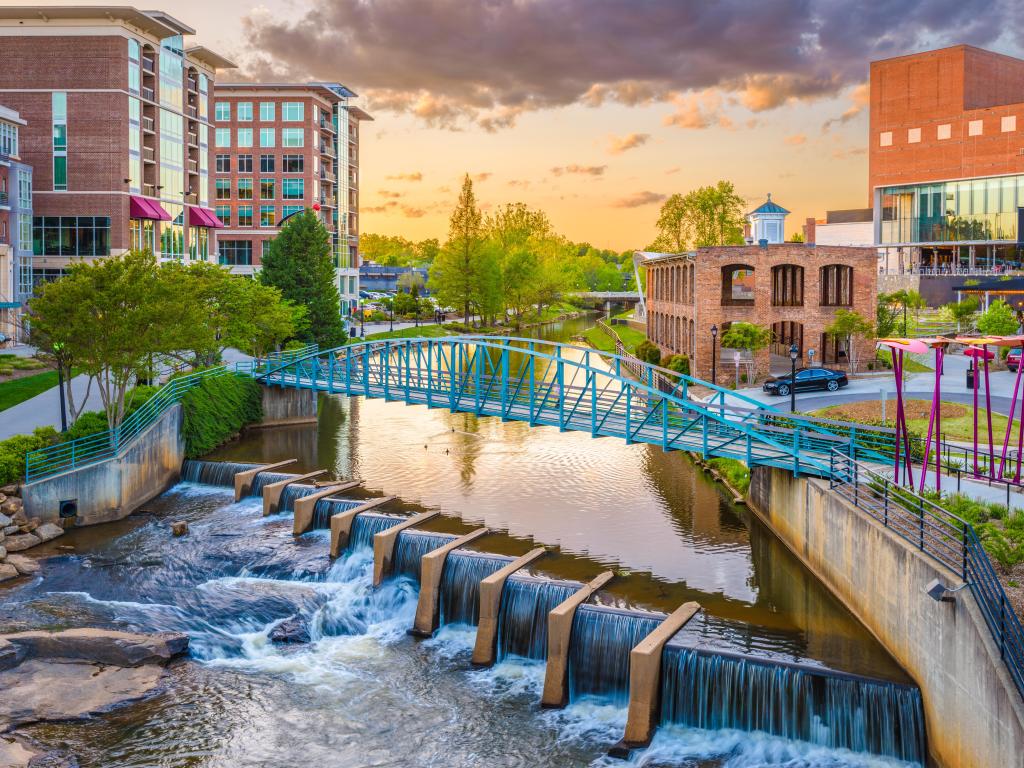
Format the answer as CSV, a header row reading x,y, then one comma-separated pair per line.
x,y
424,331
910,365
25,388
631,338
957,419
734,471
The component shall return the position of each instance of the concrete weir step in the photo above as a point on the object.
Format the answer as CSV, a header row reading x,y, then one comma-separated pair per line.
x,y
556,674
384,545
305,505
243,480
272,493
645,681
485,648
431,568
341,523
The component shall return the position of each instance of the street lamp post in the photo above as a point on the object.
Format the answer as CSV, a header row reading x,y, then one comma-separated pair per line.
x,y
60,388
714,353
794,353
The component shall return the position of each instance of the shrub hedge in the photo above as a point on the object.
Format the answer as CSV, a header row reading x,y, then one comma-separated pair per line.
x,y
216,410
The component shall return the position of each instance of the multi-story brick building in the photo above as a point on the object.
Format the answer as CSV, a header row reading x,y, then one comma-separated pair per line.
x,y
118,131
278,149
946,160
791,288
15,226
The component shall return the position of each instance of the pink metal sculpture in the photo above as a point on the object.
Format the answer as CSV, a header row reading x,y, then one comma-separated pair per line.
x,y
902,436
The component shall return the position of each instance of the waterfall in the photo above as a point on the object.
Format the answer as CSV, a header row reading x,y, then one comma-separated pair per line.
x,y
714,691
523,618
266,478
212,472
599,650
367,525
291,493
326,508
411,546
460,584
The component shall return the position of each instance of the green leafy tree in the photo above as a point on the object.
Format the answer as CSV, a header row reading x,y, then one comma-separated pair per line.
x,y
675,227
887,314
648,352
961,312
850,326
747,336
706,216
904,300
678,363
410,282
998,320
300,265
457,274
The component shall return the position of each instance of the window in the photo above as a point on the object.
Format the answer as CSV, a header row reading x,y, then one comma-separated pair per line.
x,y
24,189
25,232
134,71
245,137
885,139
292,163
245,215
59,108
266,137
8,139
71,235
245,189
787,285
913,136
235,253
292,112
291,210
224,214
1008,124
60,172
974,128
266,189
222,189
292,137
222,111
222,137
266,163
268,217
836,285
293,189
142,235
223,163
245,163
267,111
244,111
738,285
944,131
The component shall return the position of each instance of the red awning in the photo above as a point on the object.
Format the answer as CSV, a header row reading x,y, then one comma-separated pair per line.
x,y
144,208
203,217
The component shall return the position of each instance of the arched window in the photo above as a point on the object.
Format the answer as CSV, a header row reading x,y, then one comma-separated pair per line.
x,y
836,285
787,285
738,285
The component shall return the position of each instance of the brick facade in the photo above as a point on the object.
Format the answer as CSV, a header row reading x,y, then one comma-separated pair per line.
x,y
686,296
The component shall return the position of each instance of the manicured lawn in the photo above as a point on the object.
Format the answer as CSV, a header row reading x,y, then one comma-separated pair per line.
x,y
957,419
424,331
630,338
910,365
19,390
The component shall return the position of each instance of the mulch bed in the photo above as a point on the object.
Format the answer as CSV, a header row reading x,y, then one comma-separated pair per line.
x,y
871,410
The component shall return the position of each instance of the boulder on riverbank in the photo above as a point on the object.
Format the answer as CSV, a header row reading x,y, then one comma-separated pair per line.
x,y
105,646
293,630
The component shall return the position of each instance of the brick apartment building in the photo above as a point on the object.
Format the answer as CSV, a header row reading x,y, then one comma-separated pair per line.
x,y
279,149
792,288
15,226
118,132
946,160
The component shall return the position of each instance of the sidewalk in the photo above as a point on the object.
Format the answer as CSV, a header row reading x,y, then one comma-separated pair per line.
x,y
43,410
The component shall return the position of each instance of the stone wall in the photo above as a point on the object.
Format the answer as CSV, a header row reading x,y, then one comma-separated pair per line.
x,y
112,489
973,711
282,405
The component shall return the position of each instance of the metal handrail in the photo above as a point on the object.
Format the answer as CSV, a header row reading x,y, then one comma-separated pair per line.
x,y
943,536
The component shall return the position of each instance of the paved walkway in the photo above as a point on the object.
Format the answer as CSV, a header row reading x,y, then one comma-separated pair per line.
x,y
43,410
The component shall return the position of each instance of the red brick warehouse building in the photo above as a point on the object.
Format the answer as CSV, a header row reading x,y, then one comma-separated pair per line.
x,y
791,288
118,131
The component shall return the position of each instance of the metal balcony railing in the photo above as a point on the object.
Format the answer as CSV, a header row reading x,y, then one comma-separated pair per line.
x,y
4,199
148,124
148,94
148,65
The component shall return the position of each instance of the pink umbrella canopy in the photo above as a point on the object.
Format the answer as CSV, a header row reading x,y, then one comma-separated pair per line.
x,y
914,346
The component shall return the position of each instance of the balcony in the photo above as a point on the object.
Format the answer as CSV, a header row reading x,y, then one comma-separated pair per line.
x,y
193,139
191,112
193,84
327,125
326,149
193,167
149,190
192,198
4,199
148,93
148,124
149,154
149,65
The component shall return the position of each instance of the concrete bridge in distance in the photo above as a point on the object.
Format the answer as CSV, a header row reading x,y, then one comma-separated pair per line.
x,y
603,298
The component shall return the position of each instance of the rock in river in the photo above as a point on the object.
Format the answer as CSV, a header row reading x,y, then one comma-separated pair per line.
x,y
293,630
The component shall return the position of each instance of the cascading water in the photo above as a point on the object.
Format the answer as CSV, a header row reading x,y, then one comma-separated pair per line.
x,y
523,617
266,478
413,545
212,472
599,650
460,584
292,492
367,525
717,691
325,508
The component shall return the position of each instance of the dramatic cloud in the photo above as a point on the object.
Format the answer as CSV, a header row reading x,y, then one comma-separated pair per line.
x,y
582,170
638,200
796,139
417,176
388,194
452,61
619,144
413,213
859,98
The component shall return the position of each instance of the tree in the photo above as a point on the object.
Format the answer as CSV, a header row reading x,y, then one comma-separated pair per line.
x,y
707,216
747,336
410,282
904,299
299,263
998,320
961,312
457,274
849,326
796,238
259,319
674,226
887,312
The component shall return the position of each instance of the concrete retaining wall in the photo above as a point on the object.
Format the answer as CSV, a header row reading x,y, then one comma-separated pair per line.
x,y
113,489
282,405
974,714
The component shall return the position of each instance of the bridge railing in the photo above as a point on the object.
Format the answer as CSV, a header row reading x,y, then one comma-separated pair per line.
x,y
62,457
943,536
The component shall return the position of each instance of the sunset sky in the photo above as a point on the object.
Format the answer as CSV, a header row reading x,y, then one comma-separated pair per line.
x,y
595,110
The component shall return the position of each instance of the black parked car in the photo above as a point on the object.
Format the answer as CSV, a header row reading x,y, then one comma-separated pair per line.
x,y
807,378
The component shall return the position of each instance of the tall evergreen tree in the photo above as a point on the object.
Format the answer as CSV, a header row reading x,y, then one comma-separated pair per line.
x,y
457,274
298,262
